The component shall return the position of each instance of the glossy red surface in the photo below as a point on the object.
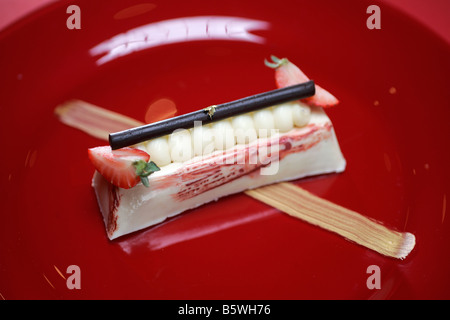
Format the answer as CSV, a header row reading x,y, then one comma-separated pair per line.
x,y
392,125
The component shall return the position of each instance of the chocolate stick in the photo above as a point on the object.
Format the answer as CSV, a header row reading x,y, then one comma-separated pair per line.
x,y
213,113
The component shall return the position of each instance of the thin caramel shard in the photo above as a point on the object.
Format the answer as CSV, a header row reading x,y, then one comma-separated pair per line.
x,y
353,226
93,120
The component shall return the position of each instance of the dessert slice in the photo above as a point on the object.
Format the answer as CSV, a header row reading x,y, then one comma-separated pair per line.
x,y
193,167
183,184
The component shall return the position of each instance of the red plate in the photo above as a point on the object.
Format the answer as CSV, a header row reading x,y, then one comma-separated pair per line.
x,y
392,125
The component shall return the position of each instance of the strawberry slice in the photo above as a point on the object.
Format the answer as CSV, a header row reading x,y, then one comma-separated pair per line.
x,y
288,74
124,167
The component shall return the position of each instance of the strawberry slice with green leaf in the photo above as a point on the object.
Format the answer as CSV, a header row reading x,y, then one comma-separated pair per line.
x,y
288,74
124,167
